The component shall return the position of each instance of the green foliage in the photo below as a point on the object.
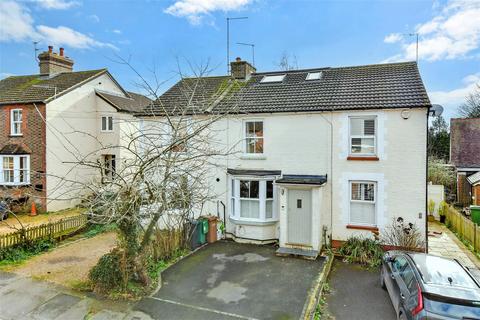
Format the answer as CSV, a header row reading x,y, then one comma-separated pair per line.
x,y
431,206
439,139
96,229
442,208
20,253
365,251
110,272
440,173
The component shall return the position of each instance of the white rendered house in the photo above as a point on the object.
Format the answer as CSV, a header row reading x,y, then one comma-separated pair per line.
x,y
320,154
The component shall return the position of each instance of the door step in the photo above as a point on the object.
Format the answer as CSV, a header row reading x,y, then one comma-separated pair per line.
x,y
303,253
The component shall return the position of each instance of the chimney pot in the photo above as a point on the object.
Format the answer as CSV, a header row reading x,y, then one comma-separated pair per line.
x,y
238,59
52,62
50,49
61,52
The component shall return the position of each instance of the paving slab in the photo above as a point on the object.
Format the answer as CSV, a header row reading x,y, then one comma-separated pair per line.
x,y
54,307
233,280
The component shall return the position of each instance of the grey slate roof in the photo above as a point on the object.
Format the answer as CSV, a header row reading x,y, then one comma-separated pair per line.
x,y
134,103
465,142
40,88
379,86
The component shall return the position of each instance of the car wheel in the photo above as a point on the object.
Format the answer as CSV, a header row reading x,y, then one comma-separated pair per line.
x,y
382,280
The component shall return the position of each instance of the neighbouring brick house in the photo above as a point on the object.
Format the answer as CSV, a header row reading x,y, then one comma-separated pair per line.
x,y
40,115
465,156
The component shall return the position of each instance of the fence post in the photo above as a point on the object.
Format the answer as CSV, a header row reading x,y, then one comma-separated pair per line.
x,y
474,236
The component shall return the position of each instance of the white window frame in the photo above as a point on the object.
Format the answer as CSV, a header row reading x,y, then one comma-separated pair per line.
x,y
374,202
351,136
13,122
235,206
107,124
108,174
246,138
16,170
315,75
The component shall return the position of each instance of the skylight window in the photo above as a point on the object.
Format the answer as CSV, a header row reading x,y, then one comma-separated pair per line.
x,y
275,78
314,75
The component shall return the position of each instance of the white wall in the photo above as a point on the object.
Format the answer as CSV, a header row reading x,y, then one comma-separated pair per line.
x,y
436,192
74,134
299,143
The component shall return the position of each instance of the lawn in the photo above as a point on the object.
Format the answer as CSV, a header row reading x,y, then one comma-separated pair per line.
x,y
12,223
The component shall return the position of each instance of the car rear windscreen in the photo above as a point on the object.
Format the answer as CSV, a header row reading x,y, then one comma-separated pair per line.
x,y
441,271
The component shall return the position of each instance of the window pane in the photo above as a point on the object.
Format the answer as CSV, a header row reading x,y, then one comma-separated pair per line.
x,y
363,145
269,209
17,115
244,189
259,129
369,192
254,189
356,191
269,190
250,145
259,145
110,123
356,145
104,123
250,127
249,209
362,213
356,126
369,127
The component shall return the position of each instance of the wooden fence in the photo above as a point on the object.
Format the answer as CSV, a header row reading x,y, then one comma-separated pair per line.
x,y
54,230
465,227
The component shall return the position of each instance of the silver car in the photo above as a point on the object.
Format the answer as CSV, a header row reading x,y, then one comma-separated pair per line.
x,y
422,286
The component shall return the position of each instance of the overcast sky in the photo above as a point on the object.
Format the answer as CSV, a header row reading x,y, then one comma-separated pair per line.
x,y
155,35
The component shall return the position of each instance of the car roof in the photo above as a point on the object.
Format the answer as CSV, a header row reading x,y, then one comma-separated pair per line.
x,y
442,271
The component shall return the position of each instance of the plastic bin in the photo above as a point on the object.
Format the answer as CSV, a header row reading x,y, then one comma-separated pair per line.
x,y
193,234
475,214
202,230
212,229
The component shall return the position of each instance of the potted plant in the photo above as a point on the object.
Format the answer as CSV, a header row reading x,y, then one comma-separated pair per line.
x,y
431,210
442,211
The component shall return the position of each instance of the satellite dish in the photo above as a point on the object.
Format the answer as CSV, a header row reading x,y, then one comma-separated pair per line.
x,y
436,110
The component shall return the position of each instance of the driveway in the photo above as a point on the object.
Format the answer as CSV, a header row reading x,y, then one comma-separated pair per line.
x,y
356,294
228,280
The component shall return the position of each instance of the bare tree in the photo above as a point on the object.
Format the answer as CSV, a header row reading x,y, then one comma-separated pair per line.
x,y
288,61
165,168
471,107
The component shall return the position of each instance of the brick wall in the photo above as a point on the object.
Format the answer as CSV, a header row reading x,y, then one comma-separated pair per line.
x,y
33,140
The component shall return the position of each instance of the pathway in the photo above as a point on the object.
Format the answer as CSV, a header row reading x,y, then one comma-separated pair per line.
x,y
444,243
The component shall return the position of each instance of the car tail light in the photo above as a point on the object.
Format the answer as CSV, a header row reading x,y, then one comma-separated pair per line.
x,y
419,306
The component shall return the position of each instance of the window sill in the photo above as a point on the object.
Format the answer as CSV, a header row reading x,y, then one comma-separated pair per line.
x,y
363,158
13,185
16,135
253,157
357,227
253,223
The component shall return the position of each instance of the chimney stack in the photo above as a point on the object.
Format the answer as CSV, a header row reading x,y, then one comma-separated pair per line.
x,y
51,63
241,70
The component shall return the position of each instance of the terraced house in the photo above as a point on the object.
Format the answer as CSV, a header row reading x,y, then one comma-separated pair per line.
x,y
319,154
53,120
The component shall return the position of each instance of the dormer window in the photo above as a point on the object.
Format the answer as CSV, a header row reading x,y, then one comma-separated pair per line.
x,y
16,119
314,76
273,78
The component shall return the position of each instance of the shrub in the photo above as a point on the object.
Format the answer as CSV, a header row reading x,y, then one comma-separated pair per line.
x,y
442,208
365,251
431,207
23,251
402,234
110,272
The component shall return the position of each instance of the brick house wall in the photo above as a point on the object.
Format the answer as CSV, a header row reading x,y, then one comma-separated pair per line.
x,y
34,141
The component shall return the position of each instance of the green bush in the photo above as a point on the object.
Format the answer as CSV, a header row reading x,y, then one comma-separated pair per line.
x,y
21,252
95,229
365,251
110,272
442,208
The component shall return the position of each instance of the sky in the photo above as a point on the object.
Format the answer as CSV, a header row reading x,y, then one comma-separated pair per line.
x,y
161,39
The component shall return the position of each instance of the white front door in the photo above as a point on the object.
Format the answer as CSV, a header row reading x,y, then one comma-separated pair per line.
x,y
299,217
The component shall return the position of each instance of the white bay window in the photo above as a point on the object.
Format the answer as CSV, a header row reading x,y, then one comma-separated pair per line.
x,y
252,199
14,169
